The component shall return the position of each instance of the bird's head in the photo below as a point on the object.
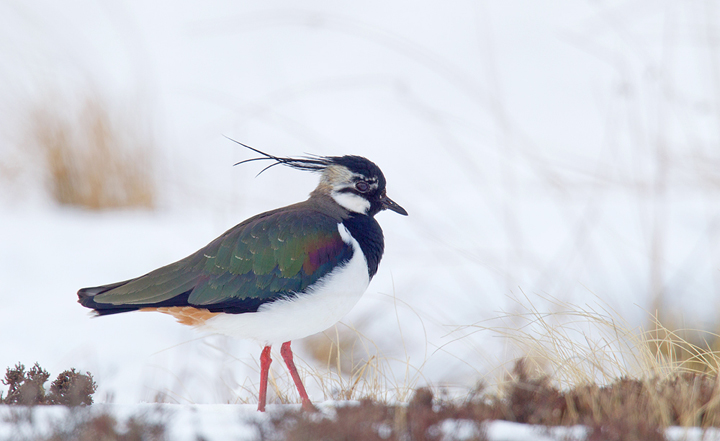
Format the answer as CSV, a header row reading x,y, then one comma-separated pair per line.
x,y
354,182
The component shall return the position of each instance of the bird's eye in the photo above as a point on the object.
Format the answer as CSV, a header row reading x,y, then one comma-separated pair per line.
x,y
362,186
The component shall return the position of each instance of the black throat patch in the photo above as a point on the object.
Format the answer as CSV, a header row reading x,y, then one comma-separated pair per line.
x,y
367,231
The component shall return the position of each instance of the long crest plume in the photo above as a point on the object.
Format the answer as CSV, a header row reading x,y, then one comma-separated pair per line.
x,y
307,163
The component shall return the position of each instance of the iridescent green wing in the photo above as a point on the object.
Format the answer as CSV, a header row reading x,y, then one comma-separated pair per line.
x,y
268,257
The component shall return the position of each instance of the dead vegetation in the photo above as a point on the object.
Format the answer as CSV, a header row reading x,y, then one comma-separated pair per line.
x,y
74,390
27,388
92,427
82,424
92,159
627,409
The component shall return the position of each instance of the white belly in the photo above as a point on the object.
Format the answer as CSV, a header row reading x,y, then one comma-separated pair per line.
x,y
310,312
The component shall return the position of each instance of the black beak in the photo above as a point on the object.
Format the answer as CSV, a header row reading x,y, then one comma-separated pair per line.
x,y
389,204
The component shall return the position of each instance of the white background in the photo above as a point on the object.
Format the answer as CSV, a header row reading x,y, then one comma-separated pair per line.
x,y
555,149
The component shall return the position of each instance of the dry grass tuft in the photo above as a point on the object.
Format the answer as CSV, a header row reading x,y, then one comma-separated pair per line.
x,y
686,350
91,159
579,345
355,368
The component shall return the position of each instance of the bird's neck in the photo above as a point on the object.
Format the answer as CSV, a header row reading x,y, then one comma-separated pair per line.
x,y
363,228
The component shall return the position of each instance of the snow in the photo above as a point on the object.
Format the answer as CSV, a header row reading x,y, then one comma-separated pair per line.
x,y
242,422
508,431
564,150
184,422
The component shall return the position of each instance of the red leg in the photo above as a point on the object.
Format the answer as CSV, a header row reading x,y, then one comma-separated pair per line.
x,y
287,355
265,361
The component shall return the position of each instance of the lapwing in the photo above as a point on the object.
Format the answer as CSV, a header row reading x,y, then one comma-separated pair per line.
x,y
279,276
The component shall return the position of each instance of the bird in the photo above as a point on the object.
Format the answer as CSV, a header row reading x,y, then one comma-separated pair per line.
x,y
279,276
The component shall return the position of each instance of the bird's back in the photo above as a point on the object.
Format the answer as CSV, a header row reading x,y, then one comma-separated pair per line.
x,y
269,257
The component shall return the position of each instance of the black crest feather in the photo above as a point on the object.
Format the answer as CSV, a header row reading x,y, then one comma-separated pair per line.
x,y
307,163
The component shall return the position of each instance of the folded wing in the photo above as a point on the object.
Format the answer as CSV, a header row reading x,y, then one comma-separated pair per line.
x,y
269,257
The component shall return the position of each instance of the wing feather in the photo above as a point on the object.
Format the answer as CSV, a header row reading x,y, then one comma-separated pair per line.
x,y
266,258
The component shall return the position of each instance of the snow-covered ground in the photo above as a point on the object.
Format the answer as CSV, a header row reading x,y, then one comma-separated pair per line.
x,y
564,149
213,422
